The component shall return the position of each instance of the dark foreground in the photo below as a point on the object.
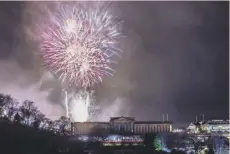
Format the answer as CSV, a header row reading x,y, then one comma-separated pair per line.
x,y
20,139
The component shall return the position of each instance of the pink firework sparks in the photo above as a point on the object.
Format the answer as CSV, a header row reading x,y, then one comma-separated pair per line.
x,y
78,45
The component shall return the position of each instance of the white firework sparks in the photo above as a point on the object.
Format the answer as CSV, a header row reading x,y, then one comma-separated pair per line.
x,y
78,45
79,106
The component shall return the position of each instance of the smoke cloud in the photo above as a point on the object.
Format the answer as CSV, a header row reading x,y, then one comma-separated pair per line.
x,y
114,109
18,83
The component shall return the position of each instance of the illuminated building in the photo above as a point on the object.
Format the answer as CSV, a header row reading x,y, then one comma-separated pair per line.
x,y
112,140
211,126
193,128
121,125
179,130
215,126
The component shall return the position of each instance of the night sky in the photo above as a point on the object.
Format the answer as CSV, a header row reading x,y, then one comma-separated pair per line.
x,y
175,61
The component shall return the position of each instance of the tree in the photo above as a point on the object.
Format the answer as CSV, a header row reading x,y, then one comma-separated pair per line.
x,y
148,140
38,119
17,118
28,110
177,152
198,141
220,145
4,101
49,125
211,151
28,114
157,144
62,125
12,107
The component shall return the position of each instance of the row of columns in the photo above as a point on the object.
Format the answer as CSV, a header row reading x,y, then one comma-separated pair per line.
x,y
126,127
84,128
149,128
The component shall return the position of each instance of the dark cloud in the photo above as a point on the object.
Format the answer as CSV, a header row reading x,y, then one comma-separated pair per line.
x,y
175,60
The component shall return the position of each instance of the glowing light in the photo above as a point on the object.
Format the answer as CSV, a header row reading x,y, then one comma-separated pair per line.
x,y
79,43
79,111
79,106
71,26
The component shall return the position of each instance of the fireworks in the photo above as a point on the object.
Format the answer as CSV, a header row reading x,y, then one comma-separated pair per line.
x,y
79,105
78,44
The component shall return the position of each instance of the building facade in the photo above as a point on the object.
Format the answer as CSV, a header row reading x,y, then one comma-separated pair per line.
x,y
215,126
211,126
121,125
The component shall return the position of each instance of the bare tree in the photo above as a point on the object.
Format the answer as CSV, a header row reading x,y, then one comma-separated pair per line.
x,y
4,101
27,111
12,108
62,125
38,119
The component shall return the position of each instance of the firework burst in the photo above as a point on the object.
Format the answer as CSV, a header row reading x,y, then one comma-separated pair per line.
x,y
78,44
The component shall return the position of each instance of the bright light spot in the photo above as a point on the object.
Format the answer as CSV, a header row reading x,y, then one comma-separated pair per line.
x,y
79,108
4,112
71,26
79,111
71,50
84,67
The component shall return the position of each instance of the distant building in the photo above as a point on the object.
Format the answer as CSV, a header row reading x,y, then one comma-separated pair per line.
x,y
211,126
193,128
179,130
121,125
215,126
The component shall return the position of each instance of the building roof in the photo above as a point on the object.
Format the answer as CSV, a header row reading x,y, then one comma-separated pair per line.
x,y
90,122
217,122
153,122
116,118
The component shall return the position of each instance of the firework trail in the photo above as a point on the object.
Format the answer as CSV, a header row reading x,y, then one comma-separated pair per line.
x,y
80,105
66,104
78,45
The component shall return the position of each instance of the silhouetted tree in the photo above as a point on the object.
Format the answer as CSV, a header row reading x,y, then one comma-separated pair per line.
x,y
28,114
62,125
211,151
177,152
5,100
2,102
12,108
148,140
38,119
48,124
17,118
27,111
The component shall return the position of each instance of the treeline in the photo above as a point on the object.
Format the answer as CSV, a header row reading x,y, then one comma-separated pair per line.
x,y
26,113
24,129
